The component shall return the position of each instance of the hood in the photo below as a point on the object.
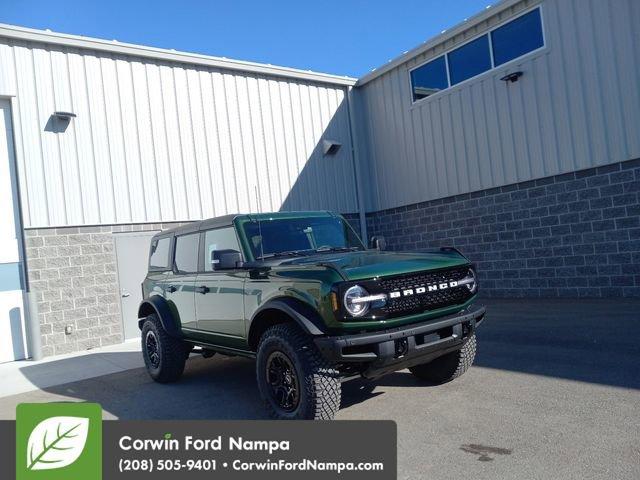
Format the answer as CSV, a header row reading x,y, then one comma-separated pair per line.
x,y
373,263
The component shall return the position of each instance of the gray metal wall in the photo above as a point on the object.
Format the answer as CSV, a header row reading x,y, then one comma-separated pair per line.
x,y
577,106
159,141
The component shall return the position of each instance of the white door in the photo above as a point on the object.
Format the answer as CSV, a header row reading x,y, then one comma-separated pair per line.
x,y
12,327
132,254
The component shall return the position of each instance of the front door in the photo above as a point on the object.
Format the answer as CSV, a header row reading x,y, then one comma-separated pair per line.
x,y
12,318
220,294
132,254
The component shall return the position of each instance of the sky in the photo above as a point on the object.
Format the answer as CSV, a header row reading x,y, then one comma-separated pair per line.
x,y
348,37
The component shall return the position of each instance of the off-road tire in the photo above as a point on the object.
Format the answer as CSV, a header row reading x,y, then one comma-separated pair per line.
x,y
319,383
447,367
172,352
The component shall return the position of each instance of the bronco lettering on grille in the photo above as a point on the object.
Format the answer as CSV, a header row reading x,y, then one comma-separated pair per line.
x,y
420,290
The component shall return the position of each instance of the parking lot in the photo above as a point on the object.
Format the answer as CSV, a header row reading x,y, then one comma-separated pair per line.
x,y
554,380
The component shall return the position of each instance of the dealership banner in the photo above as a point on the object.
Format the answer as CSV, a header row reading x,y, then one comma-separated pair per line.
x,y
57,441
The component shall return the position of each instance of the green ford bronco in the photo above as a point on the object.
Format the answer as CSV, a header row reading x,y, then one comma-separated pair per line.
x,y
300,293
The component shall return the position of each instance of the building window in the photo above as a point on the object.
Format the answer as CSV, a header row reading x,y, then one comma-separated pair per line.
x,y
507,42
469,60
159,258
430,78
518,37
186,258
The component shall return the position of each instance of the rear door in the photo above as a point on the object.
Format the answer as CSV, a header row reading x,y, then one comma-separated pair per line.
x,y
220,294
179,288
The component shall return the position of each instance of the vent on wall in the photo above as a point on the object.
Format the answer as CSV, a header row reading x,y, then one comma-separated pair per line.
x,y
330,147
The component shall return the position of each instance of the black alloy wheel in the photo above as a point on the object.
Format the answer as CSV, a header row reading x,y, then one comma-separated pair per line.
x,y
283,381
294,380
153,350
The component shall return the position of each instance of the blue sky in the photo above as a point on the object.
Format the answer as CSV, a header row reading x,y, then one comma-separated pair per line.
x,y
348,37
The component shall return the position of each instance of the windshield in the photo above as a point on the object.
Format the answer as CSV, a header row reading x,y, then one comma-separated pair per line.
x,y
300,235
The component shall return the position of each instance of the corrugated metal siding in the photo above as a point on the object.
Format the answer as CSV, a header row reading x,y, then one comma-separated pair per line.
x,y
157,142
576,106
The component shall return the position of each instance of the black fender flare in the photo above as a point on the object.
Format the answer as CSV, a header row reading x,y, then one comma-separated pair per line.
x,y
305,316
158,305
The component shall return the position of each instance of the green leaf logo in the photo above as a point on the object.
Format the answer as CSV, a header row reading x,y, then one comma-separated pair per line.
x,y
56,442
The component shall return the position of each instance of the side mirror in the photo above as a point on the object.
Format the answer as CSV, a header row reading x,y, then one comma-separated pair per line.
x,y
225,259
378,242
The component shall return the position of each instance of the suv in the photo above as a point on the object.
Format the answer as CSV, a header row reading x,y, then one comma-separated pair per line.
x,y
300,293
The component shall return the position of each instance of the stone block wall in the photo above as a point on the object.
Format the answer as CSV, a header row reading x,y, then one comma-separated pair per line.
x,y
571,235
72,273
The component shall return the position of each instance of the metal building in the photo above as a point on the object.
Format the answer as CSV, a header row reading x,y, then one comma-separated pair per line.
x,y
104,144
512,136
571,107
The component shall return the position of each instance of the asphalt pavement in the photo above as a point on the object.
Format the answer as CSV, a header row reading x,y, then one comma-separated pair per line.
x,y
554,394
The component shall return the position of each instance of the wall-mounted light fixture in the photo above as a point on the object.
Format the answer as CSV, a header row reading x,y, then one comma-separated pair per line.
x,y
512,77
59,122
66,116
330,147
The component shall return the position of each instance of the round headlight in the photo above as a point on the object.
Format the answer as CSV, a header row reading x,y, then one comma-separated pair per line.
x,y
472,285
351,305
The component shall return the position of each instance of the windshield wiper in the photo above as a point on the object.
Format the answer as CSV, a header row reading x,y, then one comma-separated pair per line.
x,y
304,253
290,253
326,248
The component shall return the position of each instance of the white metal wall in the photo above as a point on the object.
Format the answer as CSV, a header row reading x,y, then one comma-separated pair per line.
x,y
577,106
157,141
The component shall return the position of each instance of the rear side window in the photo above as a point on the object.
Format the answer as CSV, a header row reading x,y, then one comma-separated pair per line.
x,y
160,253
186,258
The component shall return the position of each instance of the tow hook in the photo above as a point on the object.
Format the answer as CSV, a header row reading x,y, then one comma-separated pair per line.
x,y
402,346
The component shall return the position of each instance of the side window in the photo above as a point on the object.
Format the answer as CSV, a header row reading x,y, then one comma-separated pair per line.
x,y
507,42
469,60
219,239
429,78
186,258
518,37
159,257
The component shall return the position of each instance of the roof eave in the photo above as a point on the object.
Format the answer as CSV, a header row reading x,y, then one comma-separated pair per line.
x,y
76,41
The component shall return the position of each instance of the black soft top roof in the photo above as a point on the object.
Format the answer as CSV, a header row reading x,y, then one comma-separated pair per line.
x,y
224,221
227,221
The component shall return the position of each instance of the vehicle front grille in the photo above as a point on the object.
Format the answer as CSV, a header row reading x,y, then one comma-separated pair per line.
x,y
429,300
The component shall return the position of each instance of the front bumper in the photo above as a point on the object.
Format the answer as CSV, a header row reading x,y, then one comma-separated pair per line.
x,y
397,348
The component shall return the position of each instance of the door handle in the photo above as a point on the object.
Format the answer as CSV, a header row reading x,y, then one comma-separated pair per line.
x,y
171,288
125,294
203,289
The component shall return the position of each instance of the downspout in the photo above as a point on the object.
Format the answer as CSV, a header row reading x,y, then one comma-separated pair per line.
x,y
356,167
29,299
